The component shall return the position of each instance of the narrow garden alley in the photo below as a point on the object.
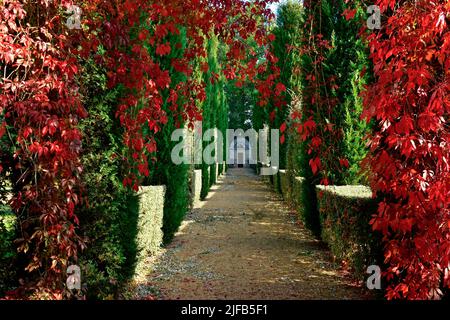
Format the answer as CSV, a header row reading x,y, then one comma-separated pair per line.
x,y
244,243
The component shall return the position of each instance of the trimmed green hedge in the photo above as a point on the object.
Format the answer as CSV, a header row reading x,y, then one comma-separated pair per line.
x,y
196,186
288,33
205,182
215,108
120,245
149,227
108,220
285,185
163,171
304,200
297,196
276,182
345,212
7,253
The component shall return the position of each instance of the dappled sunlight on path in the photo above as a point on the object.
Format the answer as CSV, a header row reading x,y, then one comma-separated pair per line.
x,y
243,243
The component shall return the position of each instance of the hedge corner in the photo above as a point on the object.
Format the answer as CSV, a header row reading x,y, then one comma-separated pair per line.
x,y
345,213
150,234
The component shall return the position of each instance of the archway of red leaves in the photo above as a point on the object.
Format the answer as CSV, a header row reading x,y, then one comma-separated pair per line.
x,y
410,152
41,104
409,103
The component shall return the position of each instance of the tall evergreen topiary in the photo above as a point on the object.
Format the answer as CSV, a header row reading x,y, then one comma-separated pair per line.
x,y
163,170
108,220
345,66
327,80
285,48
215,108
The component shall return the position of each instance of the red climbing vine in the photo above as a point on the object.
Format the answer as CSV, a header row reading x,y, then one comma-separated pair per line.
x,y
410,152
40,108
41,103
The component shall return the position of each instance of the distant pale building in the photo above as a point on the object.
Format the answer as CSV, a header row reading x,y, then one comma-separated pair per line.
x,y
240,152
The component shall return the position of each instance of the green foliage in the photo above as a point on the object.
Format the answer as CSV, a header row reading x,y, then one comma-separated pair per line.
x,y
293,154
335,101
286,185
303,200
346,61
242,102
164,171
5,162
7,253
259,116
209,109
276,182
109,218
149,226
223,125
215,108
175,178
205,182
285,48
356,129
212,175
305,192
333,98
345,213
300,177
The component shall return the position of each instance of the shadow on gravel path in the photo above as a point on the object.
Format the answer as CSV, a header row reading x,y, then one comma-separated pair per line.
x,y
244,243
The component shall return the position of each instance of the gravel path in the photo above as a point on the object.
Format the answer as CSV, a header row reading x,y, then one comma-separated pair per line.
x,y
244,243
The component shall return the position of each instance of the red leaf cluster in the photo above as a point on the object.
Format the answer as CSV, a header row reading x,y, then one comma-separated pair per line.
x,y
410,103
39,101
40,98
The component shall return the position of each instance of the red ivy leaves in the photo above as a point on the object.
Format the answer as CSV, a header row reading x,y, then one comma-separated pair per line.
x,y
349,14
163,49
280,88
41,103
315,164
316,121
409,101
410,149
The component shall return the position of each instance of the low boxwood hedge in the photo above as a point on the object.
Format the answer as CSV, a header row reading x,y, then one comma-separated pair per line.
x,y
276,182
303,199
196,186
149,237
285,186
345,212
